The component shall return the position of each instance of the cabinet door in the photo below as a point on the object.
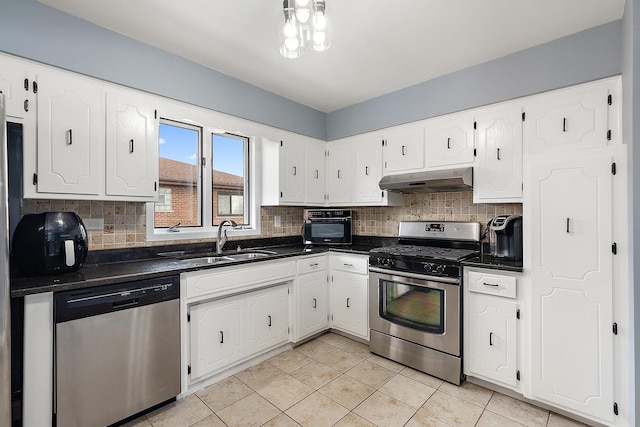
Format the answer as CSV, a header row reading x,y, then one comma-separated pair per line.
x,y
340,172
132,147
292,176
70,135
491,331
349,303
313,303
572,285
368,171
569,119
315,173
449,140
268,318
16,86
498,170
403,150
216,335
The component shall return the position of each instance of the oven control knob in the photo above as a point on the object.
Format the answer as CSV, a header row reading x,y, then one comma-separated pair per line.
x,y
441,269
428,266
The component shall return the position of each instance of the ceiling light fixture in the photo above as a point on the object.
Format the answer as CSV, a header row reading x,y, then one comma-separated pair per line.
x,y
303,24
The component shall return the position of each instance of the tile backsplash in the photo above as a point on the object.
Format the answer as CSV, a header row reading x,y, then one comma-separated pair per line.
x,y
125,222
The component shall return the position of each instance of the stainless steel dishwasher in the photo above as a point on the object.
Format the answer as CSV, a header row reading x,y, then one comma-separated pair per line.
x,y
117,351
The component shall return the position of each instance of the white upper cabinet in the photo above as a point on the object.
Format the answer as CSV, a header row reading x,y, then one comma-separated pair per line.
x,y
315,172
17,87
71,135
498,170
368,171
292,172
403,149
131,147
340,172
580,117
354,171
449,140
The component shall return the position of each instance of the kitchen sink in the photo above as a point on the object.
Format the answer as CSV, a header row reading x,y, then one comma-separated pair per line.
x,y
210,258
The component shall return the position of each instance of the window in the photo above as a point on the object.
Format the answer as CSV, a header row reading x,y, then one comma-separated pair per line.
x,y
229,171
201,183
164,200
230,204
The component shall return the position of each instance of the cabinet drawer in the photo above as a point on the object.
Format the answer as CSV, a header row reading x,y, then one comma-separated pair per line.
x,y
310,264
492,284
354,264
218,282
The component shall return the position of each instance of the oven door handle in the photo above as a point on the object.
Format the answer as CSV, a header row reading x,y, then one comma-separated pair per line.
x,y
451,280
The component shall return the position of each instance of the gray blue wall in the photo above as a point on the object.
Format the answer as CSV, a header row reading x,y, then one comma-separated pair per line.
x,y
38,32
35,31
585,56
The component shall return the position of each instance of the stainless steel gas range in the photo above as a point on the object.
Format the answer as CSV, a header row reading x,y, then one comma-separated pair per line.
x,y
415,307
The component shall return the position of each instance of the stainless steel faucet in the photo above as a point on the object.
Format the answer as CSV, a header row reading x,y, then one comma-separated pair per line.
x,y
222,234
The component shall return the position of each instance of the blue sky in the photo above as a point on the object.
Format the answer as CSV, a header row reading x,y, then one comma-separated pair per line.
x,y
181,144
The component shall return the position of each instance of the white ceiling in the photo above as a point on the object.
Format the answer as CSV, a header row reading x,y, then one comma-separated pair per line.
x,y
379,46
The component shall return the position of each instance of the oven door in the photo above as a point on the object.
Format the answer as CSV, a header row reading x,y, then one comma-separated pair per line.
x,y
422,309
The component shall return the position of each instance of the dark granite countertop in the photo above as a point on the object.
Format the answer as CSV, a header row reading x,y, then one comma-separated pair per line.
x,y
485,261
122,265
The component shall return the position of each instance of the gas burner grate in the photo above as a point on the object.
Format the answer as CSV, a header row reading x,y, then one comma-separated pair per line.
x,y
452,254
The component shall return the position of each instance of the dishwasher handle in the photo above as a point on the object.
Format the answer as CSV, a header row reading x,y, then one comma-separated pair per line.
x,y
126,304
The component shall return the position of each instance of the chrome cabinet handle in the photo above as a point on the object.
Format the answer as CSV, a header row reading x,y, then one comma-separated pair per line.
x,y
498,153
347,302
403,153
490,338
221,337
490,284
348,265
338,173
315,303
70,137
568,230
449,143
131,146
315,264
295,171
366,170
564,124
317,174
269,325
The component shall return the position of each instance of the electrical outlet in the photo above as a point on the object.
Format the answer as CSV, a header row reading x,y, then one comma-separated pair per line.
x,y
93,223
277,221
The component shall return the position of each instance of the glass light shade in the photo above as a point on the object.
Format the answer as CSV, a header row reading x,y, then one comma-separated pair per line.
x,y
289,35
321,34
303,14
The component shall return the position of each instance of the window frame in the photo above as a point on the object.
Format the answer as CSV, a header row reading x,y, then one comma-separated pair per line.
x,y
203,119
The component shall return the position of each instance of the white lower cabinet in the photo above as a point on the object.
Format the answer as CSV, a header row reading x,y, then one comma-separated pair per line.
x,y
216,335
268,318
227,330
233,314
491,327
572,257
311,292
349,294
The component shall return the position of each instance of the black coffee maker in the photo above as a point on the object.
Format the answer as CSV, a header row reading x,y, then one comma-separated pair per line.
x,y
505,237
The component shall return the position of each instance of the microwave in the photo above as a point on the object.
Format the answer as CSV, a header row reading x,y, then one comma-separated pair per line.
x,y
326,227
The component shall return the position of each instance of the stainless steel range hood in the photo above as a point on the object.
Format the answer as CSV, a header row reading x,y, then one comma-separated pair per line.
x,y
429,182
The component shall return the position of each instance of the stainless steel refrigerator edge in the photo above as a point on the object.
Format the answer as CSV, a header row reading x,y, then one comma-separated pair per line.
x,y
5,316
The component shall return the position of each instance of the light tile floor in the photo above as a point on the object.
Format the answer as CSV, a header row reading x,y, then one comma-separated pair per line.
x,y
335,381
